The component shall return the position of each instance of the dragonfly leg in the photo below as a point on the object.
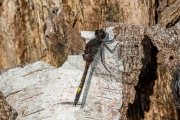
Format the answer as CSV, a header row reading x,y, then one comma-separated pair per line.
x,y
111,50
103,62
109,41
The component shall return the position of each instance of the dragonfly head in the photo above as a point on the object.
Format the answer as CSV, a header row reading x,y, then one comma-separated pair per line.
x,y
101,33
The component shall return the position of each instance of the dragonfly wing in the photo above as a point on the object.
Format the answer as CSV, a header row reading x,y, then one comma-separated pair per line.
x,y
74,42
77,61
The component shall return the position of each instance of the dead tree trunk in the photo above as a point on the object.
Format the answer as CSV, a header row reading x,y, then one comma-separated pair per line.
x,y
150,80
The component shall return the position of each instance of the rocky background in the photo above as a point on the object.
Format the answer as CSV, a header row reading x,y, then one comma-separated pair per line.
x,y
49,30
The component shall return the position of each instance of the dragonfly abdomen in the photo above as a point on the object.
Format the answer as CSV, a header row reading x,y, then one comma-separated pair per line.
x,y
79,90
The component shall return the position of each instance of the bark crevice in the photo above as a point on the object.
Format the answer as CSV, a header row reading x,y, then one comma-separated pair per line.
x,y
147,77
156,11
175,86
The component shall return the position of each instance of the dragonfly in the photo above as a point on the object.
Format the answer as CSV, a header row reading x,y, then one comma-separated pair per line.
x,y
93,47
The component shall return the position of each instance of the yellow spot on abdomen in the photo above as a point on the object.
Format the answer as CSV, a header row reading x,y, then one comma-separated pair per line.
x,y
79,89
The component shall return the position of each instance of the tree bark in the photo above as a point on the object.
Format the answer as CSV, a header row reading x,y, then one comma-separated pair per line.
x,y
151,71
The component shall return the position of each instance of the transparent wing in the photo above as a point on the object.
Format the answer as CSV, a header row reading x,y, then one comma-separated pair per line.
x,y
77,61
74,42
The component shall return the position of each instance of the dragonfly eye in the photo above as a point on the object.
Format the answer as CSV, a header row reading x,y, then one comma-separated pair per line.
x,y
97,32
103,34
100,32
